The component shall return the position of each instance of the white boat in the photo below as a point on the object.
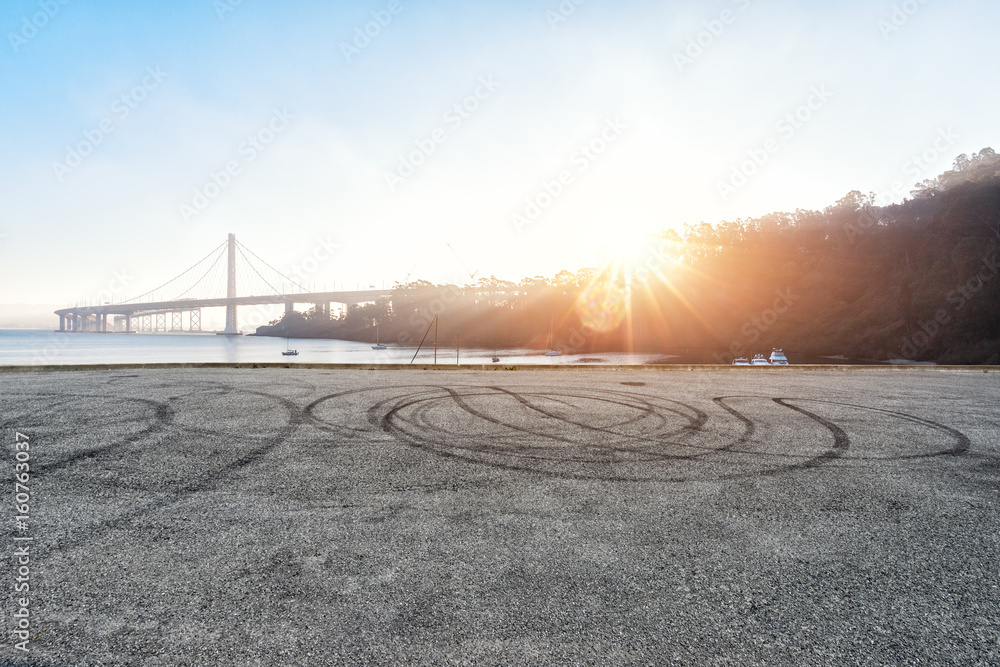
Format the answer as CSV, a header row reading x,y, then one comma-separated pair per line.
x,y
377,345
741,361
759,360
778,357
549,352
289,352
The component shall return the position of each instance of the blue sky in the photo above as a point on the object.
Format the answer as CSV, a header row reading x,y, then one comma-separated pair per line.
x,y
678,128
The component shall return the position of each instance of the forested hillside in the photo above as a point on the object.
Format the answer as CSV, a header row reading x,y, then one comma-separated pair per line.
x,y
916,280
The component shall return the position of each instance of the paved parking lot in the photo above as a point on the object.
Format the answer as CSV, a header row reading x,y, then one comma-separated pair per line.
x,y
272,516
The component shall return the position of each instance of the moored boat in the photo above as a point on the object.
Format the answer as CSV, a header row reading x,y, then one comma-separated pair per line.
x,y
377,345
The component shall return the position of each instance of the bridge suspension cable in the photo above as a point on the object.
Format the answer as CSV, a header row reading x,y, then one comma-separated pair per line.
x,y
239,249
208,278
279,273
212,264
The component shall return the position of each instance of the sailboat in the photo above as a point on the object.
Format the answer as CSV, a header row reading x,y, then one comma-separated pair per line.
x,y
377,345
289,352
549,351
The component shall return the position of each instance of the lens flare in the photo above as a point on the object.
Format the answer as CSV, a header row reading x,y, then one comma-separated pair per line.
x,y
601,307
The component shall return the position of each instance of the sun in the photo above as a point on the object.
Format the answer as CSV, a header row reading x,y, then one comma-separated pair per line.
x,y
634,254
626,247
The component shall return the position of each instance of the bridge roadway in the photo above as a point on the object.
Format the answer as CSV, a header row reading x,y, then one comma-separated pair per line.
x,y
76,317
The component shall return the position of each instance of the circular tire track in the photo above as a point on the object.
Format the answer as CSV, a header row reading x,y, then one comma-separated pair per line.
x,y
201,475
596,433
145,416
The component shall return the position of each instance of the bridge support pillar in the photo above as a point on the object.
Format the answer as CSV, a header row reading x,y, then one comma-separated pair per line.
x,y
62,323
289,308
128,324
232,325
195,320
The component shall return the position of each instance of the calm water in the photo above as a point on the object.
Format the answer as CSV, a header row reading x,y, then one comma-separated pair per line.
x,y
33,347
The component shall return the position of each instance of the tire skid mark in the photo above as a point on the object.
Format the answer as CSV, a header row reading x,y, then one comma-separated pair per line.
x,y
424,442
643,413
602,447
749,430
418,443
310,409
841,441
185,492
749,426
418,427
224,392
696,424
161,417
963,443
391,423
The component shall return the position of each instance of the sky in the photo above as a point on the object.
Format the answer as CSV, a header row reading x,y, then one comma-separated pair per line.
x,y
364,143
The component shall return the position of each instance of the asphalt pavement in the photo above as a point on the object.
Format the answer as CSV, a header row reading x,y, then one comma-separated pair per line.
x,y
309,516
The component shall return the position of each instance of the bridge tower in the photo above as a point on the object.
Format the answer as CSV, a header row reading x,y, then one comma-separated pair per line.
x,y
232,326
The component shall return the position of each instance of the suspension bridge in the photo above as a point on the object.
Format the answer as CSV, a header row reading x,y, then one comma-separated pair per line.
x,y
209,283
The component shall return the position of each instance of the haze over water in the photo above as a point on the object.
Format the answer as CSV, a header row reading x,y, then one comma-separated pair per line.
x,y
26,347
33,347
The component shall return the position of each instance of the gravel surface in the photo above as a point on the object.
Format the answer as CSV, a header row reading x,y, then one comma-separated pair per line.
x,y
285,517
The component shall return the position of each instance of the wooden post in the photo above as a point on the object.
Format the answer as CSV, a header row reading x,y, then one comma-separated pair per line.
x,y
458,351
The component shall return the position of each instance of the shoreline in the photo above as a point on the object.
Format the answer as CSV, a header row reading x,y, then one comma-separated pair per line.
x,y
49,368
